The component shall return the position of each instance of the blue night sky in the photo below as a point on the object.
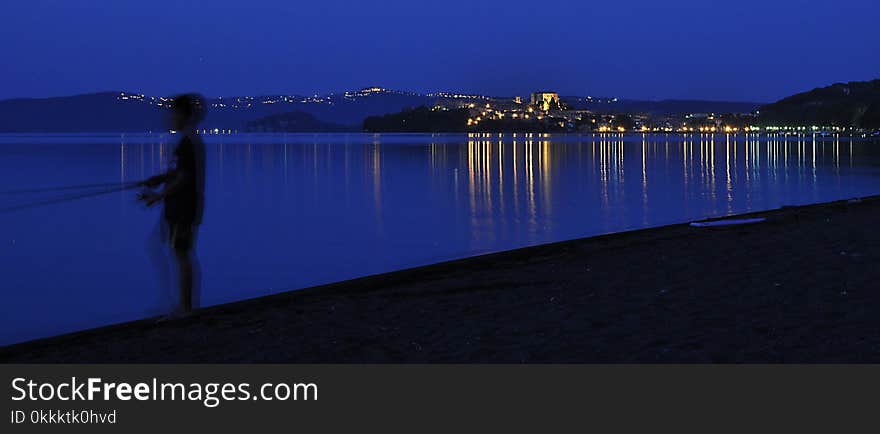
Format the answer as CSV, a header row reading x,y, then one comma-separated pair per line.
x,y
738,50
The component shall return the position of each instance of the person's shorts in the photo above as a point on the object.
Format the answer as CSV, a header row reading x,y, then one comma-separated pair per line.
x,y
181,235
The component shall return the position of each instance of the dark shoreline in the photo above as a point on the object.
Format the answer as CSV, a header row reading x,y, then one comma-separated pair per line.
x,y
800,287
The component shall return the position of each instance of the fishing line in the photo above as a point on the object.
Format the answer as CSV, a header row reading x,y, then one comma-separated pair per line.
x,y
67,198
67,187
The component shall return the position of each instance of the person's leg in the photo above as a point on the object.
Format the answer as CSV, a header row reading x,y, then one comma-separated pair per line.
x,y
185,269
196,272
157,251
181,240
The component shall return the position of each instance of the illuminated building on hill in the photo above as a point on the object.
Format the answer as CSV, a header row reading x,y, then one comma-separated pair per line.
x,y
544,100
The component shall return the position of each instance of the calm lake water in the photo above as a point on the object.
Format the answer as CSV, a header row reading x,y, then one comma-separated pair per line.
x,y
291,211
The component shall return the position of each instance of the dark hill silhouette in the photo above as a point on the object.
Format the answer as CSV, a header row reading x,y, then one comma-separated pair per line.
x,y
294,122
419,120
854,104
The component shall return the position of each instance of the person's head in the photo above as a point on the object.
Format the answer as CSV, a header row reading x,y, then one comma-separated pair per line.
x,y
187,110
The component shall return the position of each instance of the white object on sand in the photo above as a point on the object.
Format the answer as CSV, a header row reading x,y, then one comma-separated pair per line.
x,y
732,222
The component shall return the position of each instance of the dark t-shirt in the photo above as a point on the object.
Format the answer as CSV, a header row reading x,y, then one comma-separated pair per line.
x,y
184,204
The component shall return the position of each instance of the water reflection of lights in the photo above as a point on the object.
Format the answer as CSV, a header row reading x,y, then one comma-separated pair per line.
x,y
526,180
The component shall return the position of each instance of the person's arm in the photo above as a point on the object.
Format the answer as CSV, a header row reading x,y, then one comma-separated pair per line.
x,y
172,181
155,181
150,197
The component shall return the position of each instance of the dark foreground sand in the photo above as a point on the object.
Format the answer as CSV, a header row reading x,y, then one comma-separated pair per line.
x,y
804,286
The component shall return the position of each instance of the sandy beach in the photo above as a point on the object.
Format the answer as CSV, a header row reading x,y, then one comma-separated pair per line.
x,y
803,286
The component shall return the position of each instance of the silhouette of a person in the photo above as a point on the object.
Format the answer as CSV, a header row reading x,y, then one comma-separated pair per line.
x,y
182,195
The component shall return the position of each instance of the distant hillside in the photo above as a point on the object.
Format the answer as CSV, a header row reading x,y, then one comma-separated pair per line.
x,y
664,107
294,122
130,112
854,104
126,112
82,113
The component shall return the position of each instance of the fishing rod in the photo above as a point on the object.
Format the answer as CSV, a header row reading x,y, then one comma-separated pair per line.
x,y
66,187
69,198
